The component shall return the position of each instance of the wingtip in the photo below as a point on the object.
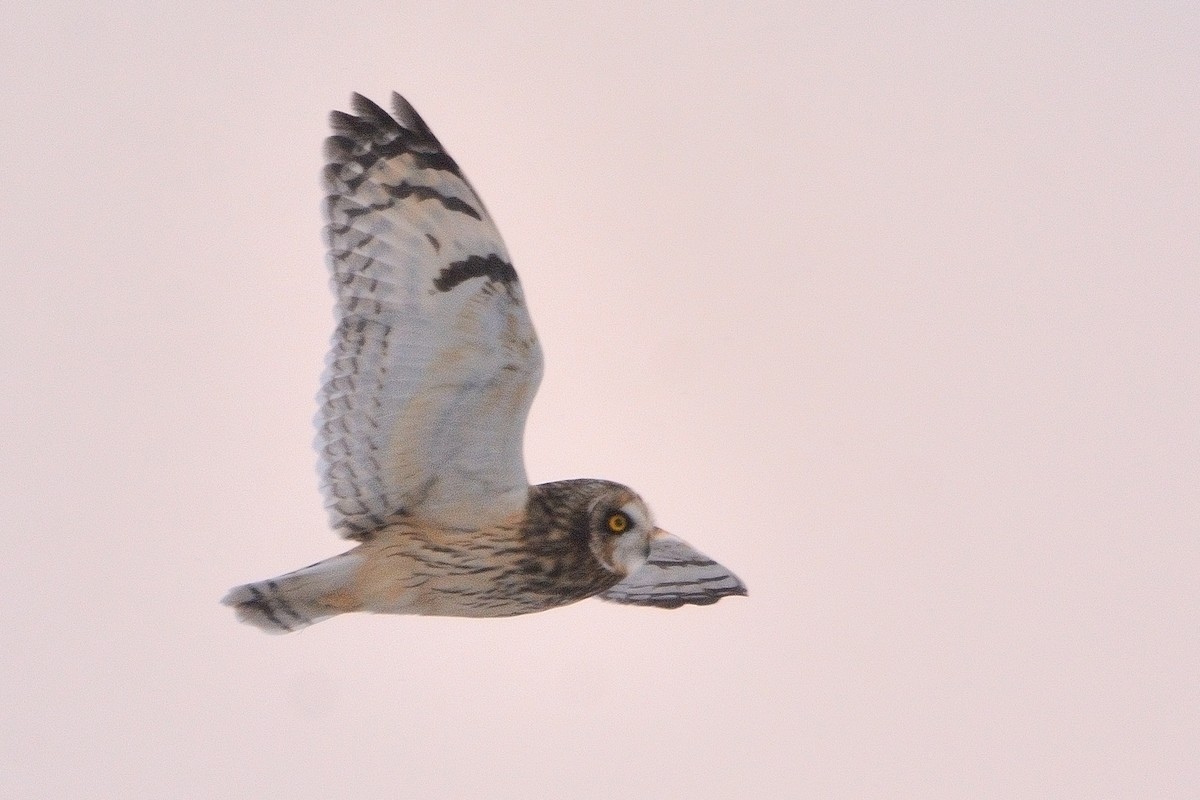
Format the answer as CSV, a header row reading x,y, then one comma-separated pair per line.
x,y
408,117
401,105
367,108
369,116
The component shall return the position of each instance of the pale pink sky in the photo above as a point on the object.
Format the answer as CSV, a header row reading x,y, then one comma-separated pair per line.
x,y
896,313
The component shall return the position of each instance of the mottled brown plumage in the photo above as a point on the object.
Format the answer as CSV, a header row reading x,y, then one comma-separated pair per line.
x,y
556,553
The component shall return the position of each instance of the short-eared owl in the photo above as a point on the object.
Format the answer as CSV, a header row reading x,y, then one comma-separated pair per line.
x,y
433,367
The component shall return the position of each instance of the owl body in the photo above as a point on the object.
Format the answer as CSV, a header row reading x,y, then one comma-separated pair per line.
x,y
560,549
542,558
432,369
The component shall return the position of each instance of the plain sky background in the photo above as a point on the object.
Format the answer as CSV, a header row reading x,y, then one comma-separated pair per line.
x,y
892,308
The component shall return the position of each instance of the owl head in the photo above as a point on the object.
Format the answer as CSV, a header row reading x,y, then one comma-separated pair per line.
x,y
649,566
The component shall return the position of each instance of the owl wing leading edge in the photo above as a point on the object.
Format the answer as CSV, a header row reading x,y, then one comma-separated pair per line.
x,y
675,574
434,361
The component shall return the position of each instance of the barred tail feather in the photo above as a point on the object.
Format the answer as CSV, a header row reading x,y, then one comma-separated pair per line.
x,y
297,599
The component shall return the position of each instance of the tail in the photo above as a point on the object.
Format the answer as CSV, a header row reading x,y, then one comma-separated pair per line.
x,y
298,599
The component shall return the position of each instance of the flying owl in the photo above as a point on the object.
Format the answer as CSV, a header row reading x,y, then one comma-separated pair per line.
x,y
433,367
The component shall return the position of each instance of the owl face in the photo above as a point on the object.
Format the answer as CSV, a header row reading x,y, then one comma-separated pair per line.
x,y
619,530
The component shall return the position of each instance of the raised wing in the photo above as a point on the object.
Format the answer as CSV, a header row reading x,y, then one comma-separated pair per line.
x,y
674,575
434,361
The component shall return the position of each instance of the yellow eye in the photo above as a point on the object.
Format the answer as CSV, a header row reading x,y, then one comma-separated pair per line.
x,y
618,523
